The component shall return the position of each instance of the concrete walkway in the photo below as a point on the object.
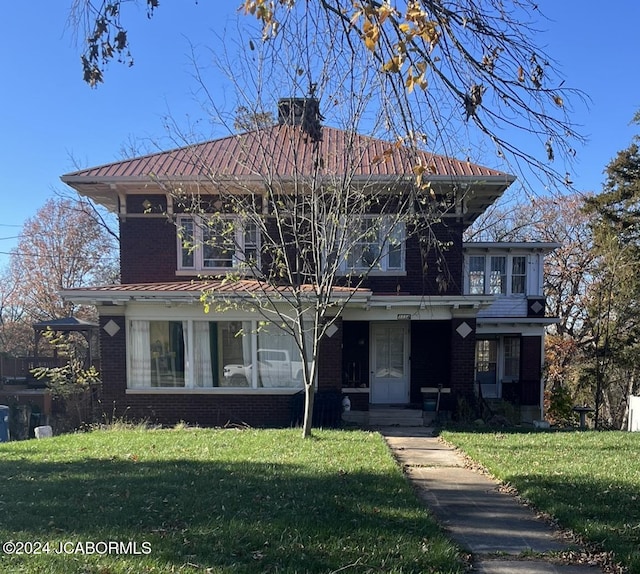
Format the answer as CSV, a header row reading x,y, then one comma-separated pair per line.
x,y
502,535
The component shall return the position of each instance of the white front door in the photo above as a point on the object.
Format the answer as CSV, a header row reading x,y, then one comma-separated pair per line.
x,y
389,363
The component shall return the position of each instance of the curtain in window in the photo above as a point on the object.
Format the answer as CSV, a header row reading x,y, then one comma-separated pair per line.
x,y
246,343
139,355
202,368
278,358
498,278
476,275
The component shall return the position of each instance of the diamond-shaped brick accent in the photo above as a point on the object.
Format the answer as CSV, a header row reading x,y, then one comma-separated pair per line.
x,y
331,331
536,307
464,329
111,328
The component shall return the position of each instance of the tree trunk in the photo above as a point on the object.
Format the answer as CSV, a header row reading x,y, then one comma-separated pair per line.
x,y
309,396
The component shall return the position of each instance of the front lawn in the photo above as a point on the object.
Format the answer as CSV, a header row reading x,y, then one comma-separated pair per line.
x,y
213,501
589,481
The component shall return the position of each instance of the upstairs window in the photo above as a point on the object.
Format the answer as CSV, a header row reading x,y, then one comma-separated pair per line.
x,y
498,277
497,274
476,275
375,244
220,243
518,274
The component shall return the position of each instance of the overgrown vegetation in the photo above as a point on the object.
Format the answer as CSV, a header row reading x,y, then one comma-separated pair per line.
x,y
74,385
588,481
217,501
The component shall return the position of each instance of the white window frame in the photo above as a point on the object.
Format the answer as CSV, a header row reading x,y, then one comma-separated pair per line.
x,y
390,235
508,352
495,280
189,383
193,245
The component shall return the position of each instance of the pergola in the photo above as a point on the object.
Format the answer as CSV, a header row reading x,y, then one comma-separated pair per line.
x,y
87,329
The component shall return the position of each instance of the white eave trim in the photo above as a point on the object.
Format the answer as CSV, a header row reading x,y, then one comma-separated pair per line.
x,y
487,321
118,297
486,246
453,301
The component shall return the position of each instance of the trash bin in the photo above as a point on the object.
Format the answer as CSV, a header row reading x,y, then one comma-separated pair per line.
x,y
4,423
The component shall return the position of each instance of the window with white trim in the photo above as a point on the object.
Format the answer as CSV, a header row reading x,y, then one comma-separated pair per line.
x,y
210,354
496,274
217,243
511,358
375,243
497,358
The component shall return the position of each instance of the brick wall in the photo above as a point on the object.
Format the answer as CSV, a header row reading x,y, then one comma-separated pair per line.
x,y
330,361
113,368
430,356
359,401
148,250
531,349
201,409
212,410
430,269
463,352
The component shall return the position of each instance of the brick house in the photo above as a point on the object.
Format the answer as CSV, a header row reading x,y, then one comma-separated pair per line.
x,y
403,331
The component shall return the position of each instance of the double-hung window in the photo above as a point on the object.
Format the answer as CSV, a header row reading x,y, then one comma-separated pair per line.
x,y
374,243
497,274
217,243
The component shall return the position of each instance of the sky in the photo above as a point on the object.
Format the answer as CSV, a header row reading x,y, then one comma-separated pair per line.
x,y
52,123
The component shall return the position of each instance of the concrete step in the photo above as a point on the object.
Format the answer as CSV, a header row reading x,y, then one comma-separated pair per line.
x,y
386,417
396,417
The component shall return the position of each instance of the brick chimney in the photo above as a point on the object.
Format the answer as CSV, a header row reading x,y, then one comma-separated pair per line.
x,y
303,112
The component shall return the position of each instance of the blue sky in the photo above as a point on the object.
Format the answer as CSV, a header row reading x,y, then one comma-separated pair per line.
x,y
50,119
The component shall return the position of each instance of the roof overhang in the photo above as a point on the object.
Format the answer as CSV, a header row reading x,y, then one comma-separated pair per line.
x,y
192,292
475,193
506,246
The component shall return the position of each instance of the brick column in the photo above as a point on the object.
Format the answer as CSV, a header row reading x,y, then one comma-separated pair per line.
x,y
330,361
113,365
463,354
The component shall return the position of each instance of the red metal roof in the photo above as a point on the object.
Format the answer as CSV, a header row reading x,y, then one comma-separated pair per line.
x,y
283,151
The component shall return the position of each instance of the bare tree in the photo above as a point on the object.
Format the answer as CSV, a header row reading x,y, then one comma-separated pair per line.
x,y
458,73
60,247
16,336
571,275
300,205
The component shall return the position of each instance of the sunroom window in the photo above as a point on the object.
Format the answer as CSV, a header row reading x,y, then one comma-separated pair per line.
x,y
217,243
374,243
496,274
211,354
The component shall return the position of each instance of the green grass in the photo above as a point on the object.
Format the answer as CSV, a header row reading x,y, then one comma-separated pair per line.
x,y
216,501
589,481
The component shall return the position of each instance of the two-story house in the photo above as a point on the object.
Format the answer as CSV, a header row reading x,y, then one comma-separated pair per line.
x,y
164,359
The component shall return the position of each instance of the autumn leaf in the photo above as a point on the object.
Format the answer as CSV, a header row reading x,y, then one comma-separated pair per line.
x,y
371,34
384,11
393,65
